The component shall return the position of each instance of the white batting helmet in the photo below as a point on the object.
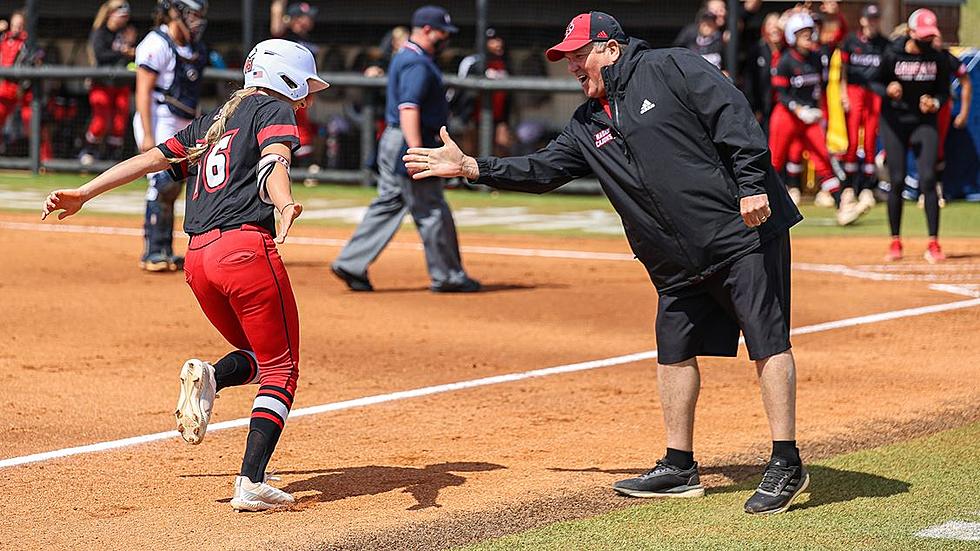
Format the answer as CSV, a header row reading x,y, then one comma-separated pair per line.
x,y
283,66
796,23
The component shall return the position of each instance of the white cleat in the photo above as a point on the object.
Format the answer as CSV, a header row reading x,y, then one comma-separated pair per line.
x,y
824,199
795,195
197,389
866,200
258,496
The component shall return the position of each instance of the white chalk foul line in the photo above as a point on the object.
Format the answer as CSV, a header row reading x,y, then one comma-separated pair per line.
x,y
473,383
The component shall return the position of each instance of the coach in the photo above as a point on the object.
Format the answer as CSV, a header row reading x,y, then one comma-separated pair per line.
x,y
681,157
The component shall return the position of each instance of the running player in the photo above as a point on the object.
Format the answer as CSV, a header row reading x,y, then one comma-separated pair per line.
x,y
236,160
797,113
170,61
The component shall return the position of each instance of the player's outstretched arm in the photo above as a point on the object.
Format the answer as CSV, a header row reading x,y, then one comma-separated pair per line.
x,y
278,190
447,161
70,201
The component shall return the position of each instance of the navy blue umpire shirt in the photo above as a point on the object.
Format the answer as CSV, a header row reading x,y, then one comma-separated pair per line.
x,y
414,80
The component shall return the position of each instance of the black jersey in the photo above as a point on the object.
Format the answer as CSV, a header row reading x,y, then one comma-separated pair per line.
x,y
798,78
710,47
222,188
862,57
919,74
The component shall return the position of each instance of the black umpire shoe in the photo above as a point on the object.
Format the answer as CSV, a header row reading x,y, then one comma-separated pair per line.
x,y
664,480
355,282
781,483
466,286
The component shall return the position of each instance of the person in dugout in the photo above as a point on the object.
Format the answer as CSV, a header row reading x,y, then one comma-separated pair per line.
x,y
959,74
913,80
758,73
860,57
797,113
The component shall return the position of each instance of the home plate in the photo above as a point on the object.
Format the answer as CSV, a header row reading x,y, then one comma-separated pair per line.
x,y
953,530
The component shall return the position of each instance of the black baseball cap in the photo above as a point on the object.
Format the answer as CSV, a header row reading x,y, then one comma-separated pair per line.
x,y
434,16
302,8
589,27
871,11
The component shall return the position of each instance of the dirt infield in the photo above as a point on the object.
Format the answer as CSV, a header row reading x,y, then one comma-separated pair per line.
x,y
92,347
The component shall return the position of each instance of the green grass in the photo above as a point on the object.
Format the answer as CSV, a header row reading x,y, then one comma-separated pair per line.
x,y
959,219
970,23
874,499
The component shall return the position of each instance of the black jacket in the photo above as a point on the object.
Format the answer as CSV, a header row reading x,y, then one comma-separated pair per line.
x,y
682,148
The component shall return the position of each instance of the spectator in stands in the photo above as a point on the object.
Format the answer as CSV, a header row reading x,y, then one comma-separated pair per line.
x,y
466,104
170,61
914,81
296,24
108,98
13,52
860,57
758,70
390,44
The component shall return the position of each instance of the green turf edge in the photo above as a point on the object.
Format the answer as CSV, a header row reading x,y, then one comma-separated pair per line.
x,y
872,499
959,219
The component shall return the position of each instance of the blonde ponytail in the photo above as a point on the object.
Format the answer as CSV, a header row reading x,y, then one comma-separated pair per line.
x,y
104,10
217,128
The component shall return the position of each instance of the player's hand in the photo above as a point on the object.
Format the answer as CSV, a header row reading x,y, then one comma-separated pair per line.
x,y
845,102
68,201
288,214
755,209
960,120
928,104
147,144
894,90
444,162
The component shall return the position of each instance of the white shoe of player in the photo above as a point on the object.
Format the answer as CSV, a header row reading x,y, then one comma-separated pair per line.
x,y
197,389
258,496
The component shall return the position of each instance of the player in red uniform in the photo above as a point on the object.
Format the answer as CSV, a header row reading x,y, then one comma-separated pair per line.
x,y
236,160
861,56
12,52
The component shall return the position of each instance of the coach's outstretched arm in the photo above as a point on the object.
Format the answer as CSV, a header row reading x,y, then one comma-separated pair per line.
x,y
540,172
70,201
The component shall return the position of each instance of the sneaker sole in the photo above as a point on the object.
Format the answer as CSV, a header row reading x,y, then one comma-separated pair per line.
x,y
240,505
190,417
691,491
155,267
789,502
931,259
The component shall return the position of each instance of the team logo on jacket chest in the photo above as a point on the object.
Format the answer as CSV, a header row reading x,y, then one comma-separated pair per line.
x,y
603,137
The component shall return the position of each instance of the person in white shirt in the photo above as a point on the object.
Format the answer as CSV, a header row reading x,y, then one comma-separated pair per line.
x,y
170,61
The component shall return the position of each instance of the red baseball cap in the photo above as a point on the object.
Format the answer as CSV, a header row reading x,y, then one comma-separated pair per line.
x,y
586,28
922,23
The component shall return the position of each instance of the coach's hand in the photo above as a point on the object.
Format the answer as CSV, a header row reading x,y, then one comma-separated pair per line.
x,y
755,209
447,161
69,201
288,214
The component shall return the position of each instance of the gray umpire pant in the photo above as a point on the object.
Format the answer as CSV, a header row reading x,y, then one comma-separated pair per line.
x,y
398,194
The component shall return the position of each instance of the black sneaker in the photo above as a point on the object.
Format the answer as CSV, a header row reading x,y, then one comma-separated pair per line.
x,y
781,483
664,480
354,282
466,286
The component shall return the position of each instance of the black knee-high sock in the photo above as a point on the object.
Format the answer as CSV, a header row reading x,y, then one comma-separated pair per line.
x,y
269,413
236,368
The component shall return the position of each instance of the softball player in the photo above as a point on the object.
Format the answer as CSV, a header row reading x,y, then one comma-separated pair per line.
x,y
170,61
236,160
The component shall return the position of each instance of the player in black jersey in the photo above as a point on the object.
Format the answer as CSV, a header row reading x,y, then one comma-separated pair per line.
x,y
860,57
236,162
914,82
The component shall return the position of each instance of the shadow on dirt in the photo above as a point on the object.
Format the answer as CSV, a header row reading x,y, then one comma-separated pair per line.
x,y
827,485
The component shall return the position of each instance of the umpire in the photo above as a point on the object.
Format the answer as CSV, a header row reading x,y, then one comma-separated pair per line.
x,y
416,109
681,157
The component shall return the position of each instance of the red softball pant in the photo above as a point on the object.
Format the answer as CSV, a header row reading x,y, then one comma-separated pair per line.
x,y
784,128
242,286
943,120
865,109
10,98
110,111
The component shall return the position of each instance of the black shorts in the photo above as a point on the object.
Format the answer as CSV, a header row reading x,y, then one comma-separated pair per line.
x,y
750,296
